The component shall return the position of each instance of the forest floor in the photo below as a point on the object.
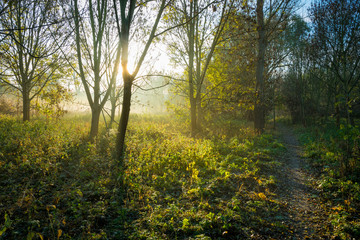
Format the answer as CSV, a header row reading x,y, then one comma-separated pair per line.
x,y
232,184
297,191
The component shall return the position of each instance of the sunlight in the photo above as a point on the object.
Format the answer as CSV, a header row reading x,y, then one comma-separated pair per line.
x,y
241,120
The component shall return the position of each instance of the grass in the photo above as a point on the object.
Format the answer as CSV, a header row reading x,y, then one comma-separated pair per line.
x,y
56,185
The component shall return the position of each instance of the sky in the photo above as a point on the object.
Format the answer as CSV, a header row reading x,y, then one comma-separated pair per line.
x,y
303,10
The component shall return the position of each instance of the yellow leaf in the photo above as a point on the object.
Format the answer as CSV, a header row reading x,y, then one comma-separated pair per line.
x,y
48,207
59,233
40,236
262,196
337,208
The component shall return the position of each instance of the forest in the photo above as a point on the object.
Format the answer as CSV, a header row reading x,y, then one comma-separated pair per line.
x,y
179,119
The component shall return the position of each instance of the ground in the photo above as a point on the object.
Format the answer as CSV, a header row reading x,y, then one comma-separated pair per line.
x,y
297,191
55,184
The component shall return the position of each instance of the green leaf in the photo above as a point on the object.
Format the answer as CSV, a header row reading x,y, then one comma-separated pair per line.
x,y
78,191
30,236
7,221
7,224
2,231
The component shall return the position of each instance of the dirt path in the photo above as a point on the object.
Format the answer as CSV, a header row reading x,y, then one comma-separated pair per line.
x,y
302,205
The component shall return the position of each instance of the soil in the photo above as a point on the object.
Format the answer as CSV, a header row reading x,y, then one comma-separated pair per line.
x,y
297,191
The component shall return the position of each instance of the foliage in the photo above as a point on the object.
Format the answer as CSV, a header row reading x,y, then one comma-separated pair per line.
x,y
334,153
56,185
323,76
7,106
180,188
51,179
231,83
52,99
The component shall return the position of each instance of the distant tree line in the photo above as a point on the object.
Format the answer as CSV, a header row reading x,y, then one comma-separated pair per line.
x,y
323,79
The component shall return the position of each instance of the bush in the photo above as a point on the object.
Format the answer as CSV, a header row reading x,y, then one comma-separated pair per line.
x,y
7,107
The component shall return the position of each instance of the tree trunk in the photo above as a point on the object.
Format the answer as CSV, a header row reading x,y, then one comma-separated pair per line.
x,y
259,122
337,110
274,108
112,113
259,111
199,117
113,99
127,77
193,115
26,106
95,118
124,119
191,36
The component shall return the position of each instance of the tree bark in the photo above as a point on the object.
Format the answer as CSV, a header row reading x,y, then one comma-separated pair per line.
x,y
191,36
95,118
124,119
26,106
199,117
193,116
113,111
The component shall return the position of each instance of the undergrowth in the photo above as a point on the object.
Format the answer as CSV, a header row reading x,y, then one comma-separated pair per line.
x,y
56,185
333,154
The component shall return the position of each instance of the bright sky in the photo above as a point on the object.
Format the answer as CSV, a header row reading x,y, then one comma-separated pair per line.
x,y
303,11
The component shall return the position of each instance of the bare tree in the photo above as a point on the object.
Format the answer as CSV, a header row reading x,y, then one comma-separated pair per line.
x,y
94,60
125,19
336,48
194,43
116,87
28,52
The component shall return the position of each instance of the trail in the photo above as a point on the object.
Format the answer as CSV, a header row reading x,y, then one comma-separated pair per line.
x,y
302,205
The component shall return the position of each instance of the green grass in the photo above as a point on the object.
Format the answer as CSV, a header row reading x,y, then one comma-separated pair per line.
x,y
57,185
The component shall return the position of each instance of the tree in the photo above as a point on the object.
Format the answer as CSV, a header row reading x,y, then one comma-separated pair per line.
x,y
4,6
336,48
28,52
115,95
124,22
295,87
271,17
231,75
198,39
94,59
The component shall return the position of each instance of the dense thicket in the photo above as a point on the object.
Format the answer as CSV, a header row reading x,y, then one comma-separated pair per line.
x,y
325,63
